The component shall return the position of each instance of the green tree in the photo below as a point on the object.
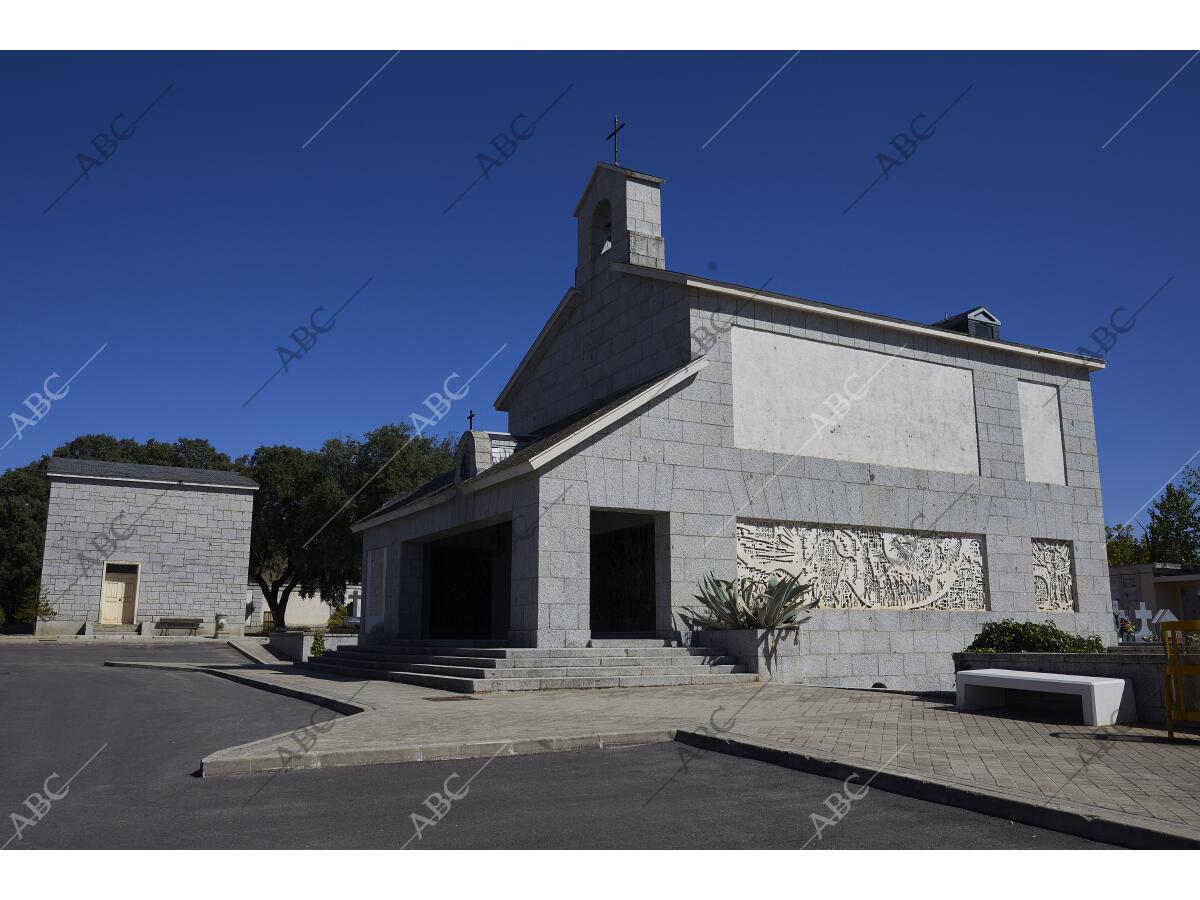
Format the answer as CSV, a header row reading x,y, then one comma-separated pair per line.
x,y
36,605
1124,547
189,453
301,539
288,507
392,460
24,494
1191,481
1174,532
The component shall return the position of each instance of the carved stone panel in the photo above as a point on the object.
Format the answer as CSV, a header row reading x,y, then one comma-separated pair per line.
x,y
1053,576
867,568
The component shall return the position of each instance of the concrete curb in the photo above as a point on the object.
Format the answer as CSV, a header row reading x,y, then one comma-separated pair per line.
x,y
337,704
1109,826
232,762
253,651
225,762
91,640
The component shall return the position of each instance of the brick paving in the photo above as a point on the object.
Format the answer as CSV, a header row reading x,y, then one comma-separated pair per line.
x,y
1129,770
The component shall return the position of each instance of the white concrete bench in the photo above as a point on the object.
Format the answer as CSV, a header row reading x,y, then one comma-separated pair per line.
x,y
1106,701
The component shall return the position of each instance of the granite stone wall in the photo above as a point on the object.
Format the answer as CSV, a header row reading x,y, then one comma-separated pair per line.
x,y
192,545
619,334
678,458
404,540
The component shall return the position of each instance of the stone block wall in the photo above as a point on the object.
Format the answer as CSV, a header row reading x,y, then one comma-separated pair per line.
x,y
403,541
192,545
618,334
677,458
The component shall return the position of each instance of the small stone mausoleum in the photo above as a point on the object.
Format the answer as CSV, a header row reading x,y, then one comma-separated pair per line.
x,y
925,478
129,547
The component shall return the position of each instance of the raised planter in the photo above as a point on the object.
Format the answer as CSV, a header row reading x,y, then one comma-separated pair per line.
x,y
297,645
778,657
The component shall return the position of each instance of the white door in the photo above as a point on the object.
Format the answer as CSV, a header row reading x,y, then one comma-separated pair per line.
x,y
374,588
118,598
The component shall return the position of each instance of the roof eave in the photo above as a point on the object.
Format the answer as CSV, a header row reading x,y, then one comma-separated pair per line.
x,y
174,483
653,179
535,349
543,458
402,511
839,312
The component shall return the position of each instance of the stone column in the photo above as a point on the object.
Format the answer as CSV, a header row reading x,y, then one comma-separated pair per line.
x,y
523,594
405,612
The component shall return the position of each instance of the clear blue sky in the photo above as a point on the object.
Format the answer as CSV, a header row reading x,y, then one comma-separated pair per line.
x,y
211,234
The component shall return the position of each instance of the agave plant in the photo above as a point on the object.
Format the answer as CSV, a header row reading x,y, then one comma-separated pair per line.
x,y
744,603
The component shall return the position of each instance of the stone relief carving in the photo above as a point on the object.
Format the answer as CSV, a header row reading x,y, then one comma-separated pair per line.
x,y
1053,576
865,568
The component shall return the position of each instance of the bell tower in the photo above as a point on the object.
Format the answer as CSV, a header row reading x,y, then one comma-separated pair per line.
x,y
619,219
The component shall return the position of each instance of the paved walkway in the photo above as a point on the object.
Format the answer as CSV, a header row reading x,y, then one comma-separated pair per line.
x,y
1131,773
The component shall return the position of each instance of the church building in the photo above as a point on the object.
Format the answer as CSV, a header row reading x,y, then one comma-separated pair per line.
x,y
924,478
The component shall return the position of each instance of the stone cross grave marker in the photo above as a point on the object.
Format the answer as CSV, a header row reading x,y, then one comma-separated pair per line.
x,y
1144,616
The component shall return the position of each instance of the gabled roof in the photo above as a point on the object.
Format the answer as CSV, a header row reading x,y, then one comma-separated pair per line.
x,y
620,170
443,481
568,304
565,435
979,314
529,361
891,323
560,438
66,467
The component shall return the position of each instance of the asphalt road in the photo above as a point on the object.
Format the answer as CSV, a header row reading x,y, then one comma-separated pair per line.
x,y
59,704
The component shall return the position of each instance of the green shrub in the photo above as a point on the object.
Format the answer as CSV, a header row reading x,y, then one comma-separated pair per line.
x,y
745,603
35,606
337,618
1010,636
318,644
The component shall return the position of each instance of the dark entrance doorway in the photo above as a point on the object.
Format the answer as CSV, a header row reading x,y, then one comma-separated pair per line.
x,y
622,573
467,585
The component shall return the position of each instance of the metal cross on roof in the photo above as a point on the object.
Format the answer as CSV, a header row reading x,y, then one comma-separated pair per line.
x,y
471,420
617,126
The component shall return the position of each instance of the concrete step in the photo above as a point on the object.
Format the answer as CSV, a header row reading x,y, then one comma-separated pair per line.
x,y
350,656
397,651
440,682
571,682
461,683
443,642
424,650
478,666
569,671
375,661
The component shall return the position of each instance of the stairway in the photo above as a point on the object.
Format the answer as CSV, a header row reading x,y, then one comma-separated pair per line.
x,y
475,667
98,628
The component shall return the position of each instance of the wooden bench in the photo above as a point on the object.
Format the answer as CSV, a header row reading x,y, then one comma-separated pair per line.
x,y
191,626
1106,701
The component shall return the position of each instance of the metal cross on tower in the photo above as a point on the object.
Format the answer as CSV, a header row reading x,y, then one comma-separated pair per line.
x,y
617,126
471,420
